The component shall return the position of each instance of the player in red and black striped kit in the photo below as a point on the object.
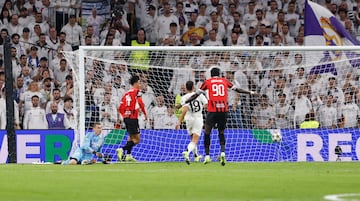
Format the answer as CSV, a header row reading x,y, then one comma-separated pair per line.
x,y
217,88
129,107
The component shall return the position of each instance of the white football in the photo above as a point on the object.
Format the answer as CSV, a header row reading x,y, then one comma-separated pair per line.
x,y
276,135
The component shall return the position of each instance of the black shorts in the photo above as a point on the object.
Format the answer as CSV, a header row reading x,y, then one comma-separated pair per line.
x,y
216,118
132,126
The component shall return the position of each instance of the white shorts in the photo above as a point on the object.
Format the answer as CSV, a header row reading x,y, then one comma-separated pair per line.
x,y
194,125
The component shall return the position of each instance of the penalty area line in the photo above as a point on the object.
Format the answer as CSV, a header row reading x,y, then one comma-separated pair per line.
x,y
343,197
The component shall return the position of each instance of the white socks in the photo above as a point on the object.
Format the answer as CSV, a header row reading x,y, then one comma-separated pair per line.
x,y
191,147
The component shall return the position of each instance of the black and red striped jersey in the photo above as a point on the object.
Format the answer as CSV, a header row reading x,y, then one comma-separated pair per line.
x,y
218,93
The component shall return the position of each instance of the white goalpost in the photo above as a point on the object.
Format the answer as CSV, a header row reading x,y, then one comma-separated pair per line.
x,y
294,83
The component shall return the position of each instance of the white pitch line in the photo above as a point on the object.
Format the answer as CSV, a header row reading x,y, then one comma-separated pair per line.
x,y
342,197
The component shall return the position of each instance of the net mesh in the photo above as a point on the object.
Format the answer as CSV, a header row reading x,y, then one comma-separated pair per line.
x,y
294,85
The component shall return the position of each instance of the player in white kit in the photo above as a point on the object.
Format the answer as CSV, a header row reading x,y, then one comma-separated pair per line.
x,y
192,113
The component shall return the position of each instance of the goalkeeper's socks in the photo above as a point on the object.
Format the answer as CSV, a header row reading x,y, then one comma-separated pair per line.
x,y
66,162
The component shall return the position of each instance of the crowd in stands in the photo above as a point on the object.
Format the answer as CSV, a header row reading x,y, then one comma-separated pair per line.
x,y
43,79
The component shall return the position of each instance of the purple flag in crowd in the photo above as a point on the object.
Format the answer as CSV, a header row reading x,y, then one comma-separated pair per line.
x,y
322,28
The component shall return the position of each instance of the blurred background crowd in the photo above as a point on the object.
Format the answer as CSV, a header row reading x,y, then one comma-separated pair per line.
x,y
40,30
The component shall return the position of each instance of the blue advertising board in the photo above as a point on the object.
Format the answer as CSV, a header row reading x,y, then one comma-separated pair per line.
x,y
250,145
38,145
167,145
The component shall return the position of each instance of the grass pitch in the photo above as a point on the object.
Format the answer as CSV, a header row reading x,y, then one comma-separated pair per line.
x,y
181,182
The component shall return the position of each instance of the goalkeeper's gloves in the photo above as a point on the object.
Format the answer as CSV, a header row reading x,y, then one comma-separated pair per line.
x,y
98,154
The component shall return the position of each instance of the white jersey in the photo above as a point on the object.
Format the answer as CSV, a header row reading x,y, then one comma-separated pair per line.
x,y
35,118
193,117
196,106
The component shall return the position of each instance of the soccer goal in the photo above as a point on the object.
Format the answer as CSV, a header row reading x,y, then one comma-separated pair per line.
x,y
295,85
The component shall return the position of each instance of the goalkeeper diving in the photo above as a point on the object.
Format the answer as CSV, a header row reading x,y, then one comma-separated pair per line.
x,y
89,150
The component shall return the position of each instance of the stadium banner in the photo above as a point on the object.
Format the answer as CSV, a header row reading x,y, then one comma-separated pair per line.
x,y
322,28
38,145
167,145
250,145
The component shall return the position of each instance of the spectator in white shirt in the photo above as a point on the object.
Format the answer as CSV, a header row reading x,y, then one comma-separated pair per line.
x,y
24,19
284,113
43,24
190,6
35,118
333,89
272,14
25,40
158,112
163,21
181,74
73,32
95,21
35,32
213,41
55,97
148,25
43,48
349,113
169,120
45,9
216,24
148,96
202,19
302,105
14,26
259,20
62,42
70,112
3,113
90,32
52,41
108,112
292,19
263,115
174,34
122,25
327,113
61,72
287,39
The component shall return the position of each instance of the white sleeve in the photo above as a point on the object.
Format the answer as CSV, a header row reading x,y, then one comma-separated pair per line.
x,y
26,119
203,99
67,123
2,120
200,91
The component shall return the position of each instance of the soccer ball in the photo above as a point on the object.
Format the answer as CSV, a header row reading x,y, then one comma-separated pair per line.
x,y
276,136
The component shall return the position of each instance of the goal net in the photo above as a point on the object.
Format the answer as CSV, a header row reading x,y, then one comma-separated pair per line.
x,y
295,85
